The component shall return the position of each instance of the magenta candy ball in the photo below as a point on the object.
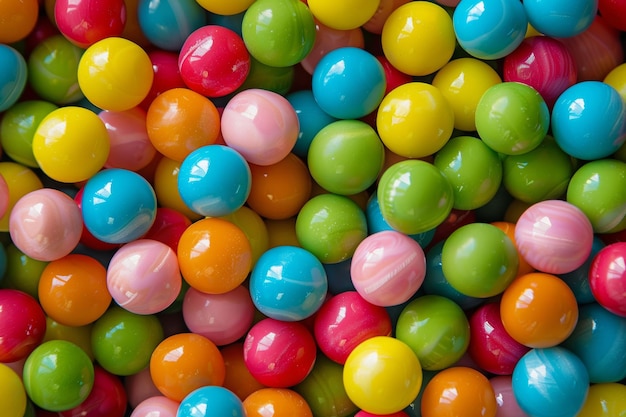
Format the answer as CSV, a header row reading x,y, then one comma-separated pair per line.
x,y
4,196
261,125
46,224
143,276
554,236
507,404
388,268
222,318
158,406
607,278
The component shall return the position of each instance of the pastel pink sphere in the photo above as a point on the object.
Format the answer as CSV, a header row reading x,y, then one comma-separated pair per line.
x,y
507,404
388,268
4,196
46,224
222,318
143,276
157,406
328,39
554,236
140,387
261,125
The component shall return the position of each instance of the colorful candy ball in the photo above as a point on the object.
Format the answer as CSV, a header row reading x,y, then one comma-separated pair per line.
x,y
553,18
22,325
13,76
86,22
607,277
14,400
211,400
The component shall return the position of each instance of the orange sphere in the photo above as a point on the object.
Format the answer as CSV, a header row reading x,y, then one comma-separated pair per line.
x,y
214,255
280,190
459,391
185,362
73,290
276,402
539,310
180,121
238,378
166,188
17,19
509,228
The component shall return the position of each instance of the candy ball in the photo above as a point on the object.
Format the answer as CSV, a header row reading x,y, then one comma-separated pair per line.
x,y
589,120
346,157
550,382
20,180
415,120
103,74
604,400
288,283
211,400
344,16
418,38
311,119
616,78
348,83
22,325
45,224
167,24
86,22
283,403
58,375
553,18
19,19
507,404
159,406
382,375
168,226
13,76
238,378
14,400
214,61
279,354
539,310
166,188
278,33
388,268
106,399
489,29
607,277
71,144
436,329
554,236
327,40
226,9
512,118
118,205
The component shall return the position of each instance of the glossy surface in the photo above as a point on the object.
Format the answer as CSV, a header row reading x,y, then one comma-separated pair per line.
x,y
505,398
22,325
88,21
106,399
13,76
553,18
604,400
327,40
157,406
579,280
166,24
276,402
211,400
23,19
14,402
20,180
607,277
311,119
345,16
238,378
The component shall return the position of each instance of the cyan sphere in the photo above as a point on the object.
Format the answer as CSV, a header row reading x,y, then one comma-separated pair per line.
x,y
13,74
561,19
211,400
167,24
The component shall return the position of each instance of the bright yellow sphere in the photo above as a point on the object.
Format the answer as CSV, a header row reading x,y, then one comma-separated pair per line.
x,y
225,7
13,399
605,400
344,14
617,79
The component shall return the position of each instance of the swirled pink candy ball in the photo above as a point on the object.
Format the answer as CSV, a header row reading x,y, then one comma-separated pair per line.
x,y
157,406
46,224
261,125
388,268
554,236
143,276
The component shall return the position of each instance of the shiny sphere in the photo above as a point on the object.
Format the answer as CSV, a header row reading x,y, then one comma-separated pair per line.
x,y
283,403
14,402
211,400
346,15
22,325
604,400
607,278
20,17
88,21
20,180
167,24
553,18
13,76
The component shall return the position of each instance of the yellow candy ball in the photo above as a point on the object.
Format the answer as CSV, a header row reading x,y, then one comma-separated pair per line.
x,y
344,14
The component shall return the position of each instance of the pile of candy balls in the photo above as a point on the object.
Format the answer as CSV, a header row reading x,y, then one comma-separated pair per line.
x,y
322,208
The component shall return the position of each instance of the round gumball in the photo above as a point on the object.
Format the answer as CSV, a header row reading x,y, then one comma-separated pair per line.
x,y
463,82
168,226
225,9
211,400
214,256
166,188
87,239
283,403
278,33
14,399
331,227
611,10
327,40
553,18
554,236
73,290
550,382
166,74
19,19
382,375
261,125
604,400
118,205
607,278
71,144
539,310
589,120
221,318
346,320
459,391
157,406
103,74
288,283
122,341
58,375
345,16
214,61
167,24
436,329
13,75
80,336
107,397
578,279
418,38
185,362
512,118
507,404
88,21
279,354
238,378
415,120
143,276
311,119
616,78
20,180
479,260
45,224
346,157
22,325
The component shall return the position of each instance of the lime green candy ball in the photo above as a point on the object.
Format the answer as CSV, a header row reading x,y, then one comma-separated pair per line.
x,y
512,118
58,375
331,227
479,260
598,188
278,33
346,157
414,196
473,169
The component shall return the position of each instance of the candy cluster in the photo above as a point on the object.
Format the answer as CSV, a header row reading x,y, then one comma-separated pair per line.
x,y
321,208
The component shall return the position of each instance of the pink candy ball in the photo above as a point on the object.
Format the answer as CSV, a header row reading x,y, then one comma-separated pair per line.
x,y
4,196
143,276
158,406
554,236
507,404
328,39
139,387
46,224
261,125
222,318
388,268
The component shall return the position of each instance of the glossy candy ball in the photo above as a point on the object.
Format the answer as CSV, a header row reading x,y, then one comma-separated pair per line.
x,y
20,180
22,325
283,403
159,406
167,24
344,16
554,18
20,17
88,21
607,277
118,205
107,397
14,401
507,404
238,378
604,400
311,119
13,76
327,40
209,401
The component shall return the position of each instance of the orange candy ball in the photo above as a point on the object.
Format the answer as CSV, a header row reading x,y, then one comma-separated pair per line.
x,y
17,19
276,402
238,377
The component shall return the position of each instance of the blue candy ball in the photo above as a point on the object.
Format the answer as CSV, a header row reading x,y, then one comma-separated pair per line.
x,y
214,180
561,19
168,23
211,401
311,117
13,74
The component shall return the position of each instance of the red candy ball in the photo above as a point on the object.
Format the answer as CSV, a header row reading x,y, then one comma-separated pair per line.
x,y
107,398
613,11
166,75
22,325
607,278
84,22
